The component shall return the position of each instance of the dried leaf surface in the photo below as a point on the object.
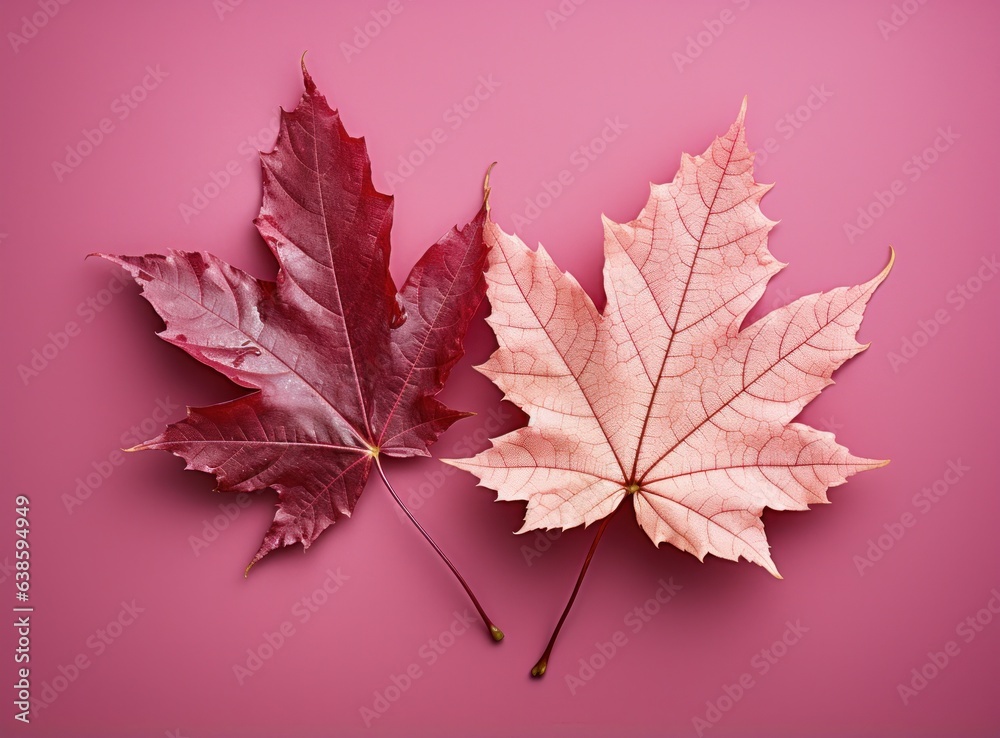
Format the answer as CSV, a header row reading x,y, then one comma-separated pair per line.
x,y
343,366
660,397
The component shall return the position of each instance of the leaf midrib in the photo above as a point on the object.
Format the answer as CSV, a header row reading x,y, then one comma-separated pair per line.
x,y
680,308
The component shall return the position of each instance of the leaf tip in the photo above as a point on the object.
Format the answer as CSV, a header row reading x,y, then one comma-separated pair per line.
x,y
768,564
307,80
892,260
486,188
881,276
263,551
107,257
457,463
306,77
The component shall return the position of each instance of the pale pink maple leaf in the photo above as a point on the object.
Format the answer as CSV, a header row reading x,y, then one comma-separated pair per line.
x,y
661,397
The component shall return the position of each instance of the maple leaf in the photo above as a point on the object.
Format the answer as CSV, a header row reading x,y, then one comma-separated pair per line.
x,y
661,398
344,368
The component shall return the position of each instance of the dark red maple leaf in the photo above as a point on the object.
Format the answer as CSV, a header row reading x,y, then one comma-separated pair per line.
x,y
345,368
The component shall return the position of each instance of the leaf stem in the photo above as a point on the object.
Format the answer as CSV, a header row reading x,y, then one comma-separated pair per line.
x,y
495,633
538,670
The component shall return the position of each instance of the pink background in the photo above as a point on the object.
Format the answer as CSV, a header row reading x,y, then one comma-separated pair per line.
x,y
171,671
